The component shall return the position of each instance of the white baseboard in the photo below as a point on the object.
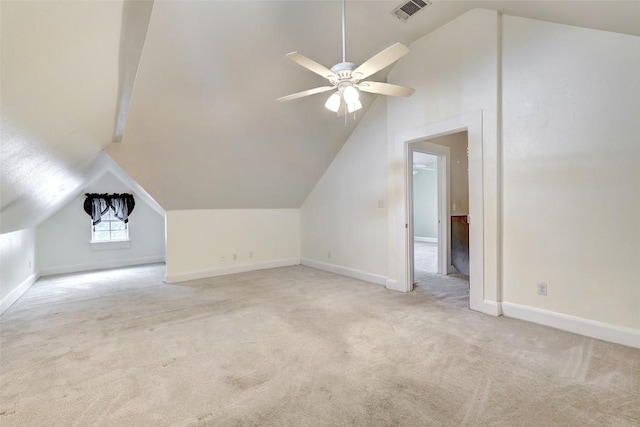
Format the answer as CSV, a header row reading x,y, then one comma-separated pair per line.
x,y
493,308
425,239
392,284
223,271
15,294
64,269
346,271
590,328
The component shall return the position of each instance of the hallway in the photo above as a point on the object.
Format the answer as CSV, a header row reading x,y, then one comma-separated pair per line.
x,y
452,289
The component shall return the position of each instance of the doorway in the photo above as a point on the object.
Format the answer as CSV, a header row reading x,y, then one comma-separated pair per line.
x,y
432,164
426,217
439,206
483,194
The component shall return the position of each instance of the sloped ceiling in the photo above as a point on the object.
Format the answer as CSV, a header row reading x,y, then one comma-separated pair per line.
x,y
205,129
202,129
63,78
104,165
59,88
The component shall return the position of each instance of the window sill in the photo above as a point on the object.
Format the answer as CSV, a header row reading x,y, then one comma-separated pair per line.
x,y
110,245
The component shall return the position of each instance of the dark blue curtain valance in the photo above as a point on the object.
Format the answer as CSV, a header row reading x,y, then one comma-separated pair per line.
x,y
96,205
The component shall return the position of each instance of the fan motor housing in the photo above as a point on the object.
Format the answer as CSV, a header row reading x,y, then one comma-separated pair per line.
x,y
344,69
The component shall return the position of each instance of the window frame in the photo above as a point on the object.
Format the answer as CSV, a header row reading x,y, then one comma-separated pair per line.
x,y
109,217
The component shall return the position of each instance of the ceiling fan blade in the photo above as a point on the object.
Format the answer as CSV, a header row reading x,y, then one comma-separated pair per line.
x,y
380,60
385,89
312,65
306,93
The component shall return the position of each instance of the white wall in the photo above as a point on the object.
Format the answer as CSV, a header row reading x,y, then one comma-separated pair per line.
x,y
343,214
425,203
64,239
17,265
572,170
198,240
455,72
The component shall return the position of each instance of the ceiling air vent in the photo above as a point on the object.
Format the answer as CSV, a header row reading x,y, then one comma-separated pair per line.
x,y
408,9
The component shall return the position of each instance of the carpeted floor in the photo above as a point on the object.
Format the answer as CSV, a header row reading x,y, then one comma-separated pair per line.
x,y
452,289
425,259
293,347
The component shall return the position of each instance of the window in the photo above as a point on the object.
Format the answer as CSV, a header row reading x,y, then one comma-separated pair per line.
x,y
109,229
109,218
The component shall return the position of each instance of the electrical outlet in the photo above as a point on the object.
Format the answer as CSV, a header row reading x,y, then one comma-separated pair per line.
x,y
235,257
29,264
222,258
250,255
329,254
542,288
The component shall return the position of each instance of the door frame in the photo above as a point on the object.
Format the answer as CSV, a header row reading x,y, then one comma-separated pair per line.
x,y
472,123
443,153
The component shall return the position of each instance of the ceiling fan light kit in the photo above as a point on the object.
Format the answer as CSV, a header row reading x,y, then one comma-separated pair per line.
x,y
346,79
333,103
352,107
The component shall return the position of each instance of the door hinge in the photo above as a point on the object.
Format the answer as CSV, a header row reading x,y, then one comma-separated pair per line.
x,y
406,226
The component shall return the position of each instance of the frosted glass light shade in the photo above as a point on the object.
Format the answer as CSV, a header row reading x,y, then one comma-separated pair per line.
x,y
351,95
333,103
354,106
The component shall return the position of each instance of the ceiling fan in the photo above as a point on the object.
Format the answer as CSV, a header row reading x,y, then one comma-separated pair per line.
x,y
347,79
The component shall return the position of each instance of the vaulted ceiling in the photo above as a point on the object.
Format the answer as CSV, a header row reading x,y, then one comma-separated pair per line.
x,y
200,128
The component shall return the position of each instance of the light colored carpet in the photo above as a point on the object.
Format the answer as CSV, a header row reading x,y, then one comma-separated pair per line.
x,y
425,259
293,347
453,288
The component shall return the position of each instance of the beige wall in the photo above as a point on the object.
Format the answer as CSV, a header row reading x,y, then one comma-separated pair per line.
x,y
198,240
342,214
571,170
